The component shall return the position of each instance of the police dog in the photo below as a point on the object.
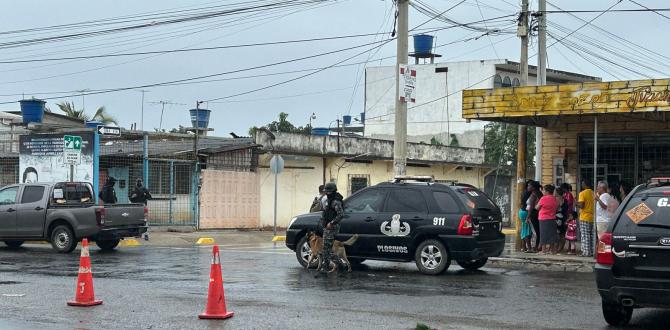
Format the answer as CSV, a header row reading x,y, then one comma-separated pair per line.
x,y
316,245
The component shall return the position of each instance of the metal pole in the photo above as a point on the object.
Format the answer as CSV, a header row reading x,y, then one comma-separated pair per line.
x,y
521,144
170,217
400,136
145,160
142,119
274,226
541,79
71,173
595,178
96,164
160,125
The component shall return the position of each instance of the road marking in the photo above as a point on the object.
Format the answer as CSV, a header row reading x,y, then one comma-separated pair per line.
x,y
205,241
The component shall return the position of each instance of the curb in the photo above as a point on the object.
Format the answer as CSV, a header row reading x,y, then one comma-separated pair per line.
x,y
205,241
131,242
542,265
279,238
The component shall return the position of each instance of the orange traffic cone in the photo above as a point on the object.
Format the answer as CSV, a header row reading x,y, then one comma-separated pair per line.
x,y
84,295
216,300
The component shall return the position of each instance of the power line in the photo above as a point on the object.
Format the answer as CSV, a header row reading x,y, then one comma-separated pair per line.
x,y
587,23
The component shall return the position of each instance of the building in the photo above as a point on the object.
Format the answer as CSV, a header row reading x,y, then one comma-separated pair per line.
x,y
437,113
624,123
353,163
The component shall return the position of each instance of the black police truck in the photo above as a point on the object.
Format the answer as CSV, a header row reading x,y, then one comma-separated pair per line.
x,y
413,219
633,255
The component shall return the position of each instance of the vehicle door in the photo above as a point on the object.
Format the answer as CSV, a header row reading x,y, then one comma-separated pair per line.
x,y
486,215
405,210
361,212
31,211
8,211
641,238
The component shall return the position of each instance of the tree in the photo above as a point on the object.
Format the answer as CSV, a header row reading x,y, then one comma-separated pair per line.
x,y
500,144
100,115
284,126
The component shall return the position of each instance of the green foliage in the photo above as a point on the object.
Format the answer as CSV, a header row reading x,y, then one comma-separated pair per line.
x,y
100,115
434,141
454,141
500,144
421,326
284,126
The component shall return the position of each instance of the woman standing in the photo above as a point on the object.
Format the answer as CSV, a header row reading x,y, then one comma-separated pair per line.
x,y
535,194
526,231
561,218
547,208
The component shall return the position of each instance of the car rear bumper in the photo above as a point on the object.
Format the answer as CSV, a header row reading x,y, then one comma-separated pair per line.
x,y
469,248
644,292
121,232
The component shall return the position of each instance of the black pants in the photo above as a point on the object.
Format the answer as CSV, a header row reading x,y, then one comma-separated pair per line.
x,y
536,228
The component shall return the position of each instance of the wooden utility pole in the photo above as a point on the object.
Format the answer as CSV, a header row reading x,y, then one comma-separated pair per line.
x,y
400,137
522,32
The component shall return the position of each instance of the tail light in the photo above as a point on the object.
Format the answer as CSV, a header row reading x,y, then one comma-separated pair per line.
x,y
465,226
146,213
604,254
100,216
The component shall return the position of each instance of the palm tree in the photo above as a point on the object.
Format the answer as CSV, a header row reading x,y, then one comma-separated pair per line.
x,y
100,115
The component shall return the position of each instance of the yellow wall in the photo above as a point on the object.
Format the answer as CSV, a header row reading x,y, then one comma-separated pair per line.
x,y
298,186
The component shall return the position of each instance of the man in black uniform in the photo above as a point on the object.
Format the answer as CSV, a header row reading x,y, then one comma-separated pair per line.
x,y
332,214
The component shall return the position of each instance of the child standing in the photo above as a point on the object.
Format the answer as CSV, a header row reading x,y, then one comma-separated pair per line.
x,y
571,233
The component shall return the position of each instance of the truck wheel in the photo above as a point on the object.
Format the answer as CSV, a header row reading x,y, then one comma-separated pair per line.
x,y
63,240
14,244
108,245
615,314
473,264
303,251
432,257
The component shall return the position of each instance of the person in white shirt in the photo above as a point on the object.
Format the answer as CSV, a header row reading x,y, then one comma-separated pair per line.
x,y
604,202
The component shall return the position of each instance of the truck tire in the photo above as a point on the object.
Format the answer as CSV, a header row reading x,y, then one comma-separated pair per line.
x,y
14,244
473,264
616,315
108,245
431,257
63,240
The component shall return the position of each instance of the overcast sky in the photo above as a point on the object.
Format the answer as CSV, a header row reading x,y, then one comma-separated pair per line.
x,y
328,94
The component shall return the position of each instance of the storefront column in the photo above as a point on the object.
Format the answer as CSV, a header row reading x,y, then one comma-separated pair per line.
x,y
595,180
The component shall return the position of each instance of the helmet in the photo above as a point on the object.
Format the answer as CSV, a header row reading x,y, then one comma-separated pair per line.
x,y
330,188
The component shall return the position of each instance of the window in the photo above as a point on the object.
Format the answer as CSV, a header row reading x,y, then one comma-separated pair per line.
x,y
475,198
497,81
516,82
445,202
357,182
507,82
72,193
369,201
406,201
32,194
8,195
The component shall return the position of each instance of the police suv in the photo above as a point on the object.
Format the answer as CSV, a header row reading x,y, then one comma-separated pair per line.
x,y
413,219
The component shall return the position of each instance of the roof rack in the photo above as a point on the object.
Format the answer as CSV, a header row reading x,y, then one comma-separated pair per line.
x,y
414,178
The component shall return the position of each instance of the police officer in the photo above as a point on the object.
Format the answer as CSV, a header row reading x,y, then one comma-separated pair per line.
x,y
333,212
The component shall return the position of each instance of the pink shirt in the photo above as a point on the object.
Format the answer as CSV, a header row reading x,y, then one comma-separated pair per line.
x,y
547,207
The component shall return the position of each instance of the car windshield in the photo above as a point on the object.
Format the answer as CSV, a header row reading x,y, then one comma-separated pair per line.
x,y
475,199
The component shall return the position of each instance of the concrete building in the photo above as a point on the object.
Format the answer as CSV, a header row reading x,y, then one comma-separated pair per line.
x,y
437,112
353,163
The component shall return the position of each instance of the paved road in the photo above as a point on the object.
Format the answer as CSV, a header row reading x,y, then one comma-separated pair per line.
x,y
165,288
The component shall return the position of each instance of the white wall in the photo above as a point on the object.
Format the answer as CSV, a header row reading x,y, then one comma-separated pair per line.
x,y
439,118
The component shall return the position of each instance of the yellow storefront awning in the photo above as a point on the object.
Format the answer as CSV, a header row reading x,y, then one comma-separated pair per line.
x,y
530,104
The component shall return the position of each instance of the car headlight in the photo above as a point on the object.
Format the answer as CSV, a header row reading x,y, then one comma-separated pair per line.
x,y
292,221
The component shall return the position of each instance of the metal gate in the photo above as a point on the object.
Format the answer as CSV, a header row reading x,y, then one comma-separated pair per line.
x,y
174,190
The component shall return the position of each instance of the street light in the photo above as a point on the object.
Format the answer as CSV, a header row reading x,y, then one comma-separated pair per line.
x,y
312,117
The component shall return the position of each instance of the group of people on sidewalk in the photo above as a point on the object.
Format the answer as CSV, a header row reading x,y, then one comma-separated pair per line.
x,y
555,221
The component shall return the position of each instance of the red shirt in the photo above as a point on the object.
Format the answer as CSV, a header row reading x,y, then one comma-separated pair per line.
x,y
547,207
570,200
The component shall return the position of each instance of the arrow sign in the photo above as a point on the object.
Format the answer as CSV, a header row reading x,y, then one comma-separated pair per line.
x,y
109,130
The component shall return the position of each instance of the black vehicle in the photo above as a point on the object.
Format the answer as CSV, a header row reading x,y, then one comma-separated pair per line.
x,y
407,220
633,256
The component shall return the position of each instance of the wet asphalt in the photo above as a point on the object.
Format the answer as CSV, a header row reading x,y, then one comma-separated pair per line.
x,y
166,288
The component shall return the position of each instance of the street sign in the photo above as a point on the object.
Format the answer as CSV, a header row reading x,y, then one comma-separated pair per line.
x,y
72,157
72,142
407,85
276,164
109,130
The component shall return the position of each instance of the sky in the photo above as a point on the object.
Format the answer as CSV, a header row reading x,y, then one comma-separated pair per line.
x,y
635,41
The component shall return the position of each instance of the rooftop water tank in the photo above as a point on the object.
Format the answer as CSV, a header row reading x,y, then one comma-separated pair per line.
x,y
320,131
423,44
200,118
346,119
32,110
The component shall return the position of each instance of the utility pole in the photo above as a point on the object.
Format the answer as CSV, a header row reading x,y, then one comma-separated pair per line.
x,y
522,32
541,78
400,137
142,111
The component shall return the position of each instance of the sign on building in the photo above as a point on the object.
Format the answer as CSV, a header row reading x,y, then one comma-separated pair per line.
x,y
407,84
48,157
109,130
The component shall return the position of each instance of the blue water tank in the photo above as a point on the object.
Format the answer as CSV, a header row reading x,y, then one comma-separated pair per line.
x,y
362,117
423,44
346,119
200,117
32,110
93,124
320,131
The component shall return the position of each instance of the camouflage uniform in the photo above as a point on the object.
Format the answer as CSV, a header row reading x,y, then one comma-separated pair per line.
x,y
332,214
